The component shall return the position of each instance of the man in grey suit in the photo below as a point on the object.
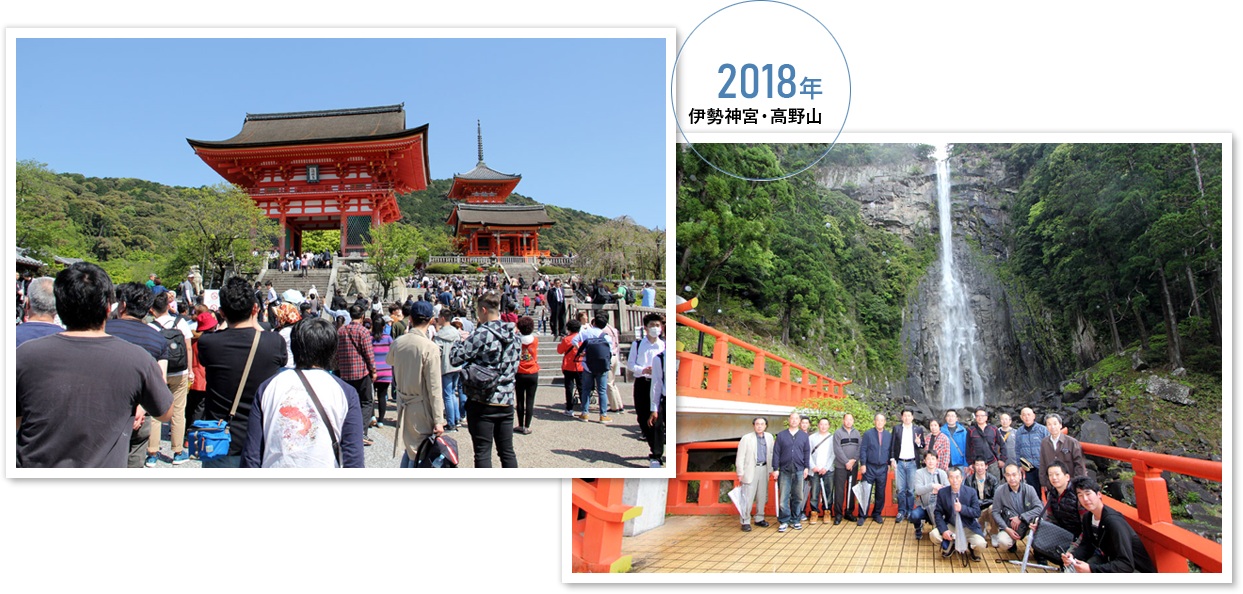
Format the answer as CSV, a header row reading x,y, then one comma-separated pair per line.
x,y
753,463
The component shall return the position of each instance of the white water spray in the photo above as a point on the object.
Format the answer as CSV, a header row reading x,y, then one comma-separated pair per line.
x,y
957,345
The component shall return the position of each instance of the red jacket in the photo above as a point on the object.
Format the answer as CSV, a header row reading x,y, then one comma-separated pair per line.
x,y
570,360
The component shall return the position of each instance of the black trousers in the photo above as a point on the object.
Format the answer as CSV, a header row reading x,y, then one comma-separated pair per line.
x,y
381,400
643,405
556,313
842,481
571,384
525,385
366,399
488,425
656,441
878,493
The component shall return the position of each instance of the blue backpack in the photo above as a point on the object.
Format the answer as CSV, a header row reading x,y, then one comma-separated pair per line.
x,y
209,440
599,355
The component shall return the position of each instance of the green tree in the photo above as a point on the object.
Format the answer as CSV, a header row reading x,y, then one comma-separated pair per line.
x,y
318,241
722,217
390,251
221,229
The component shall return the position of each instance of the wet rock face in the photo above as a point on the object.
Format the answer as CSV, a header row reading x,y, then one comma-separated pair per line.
x,y
1169,390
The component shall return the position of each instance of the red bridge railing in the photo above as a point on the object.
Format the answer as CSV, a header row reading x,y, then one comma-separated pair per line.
x,y
716,378
598,535
1169,546
710,485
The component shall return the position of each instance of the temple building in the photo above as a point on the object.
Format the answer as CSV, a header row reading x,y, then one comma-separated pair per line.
x,y
483,224
333,169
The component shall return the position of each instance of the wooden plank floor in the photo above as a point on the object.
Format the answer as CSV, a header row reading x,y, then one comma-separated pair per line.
x,y
715,544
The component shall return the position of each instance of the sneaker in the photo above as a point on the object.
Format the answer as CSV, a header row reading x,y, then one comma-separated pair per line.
x,y
151,460
653,463
181,458
859,522
567,412
945,548
606,419
763,524
802,518
900,518
919,535
582,417
798,525
783,527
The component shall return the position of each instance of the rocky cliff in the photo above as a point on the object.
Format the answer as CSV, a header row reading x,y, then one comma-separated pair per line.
x,y
1018,357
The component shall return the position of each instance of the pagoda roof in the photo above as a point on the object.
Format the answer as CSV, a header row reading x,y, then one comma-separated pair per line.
x,y
315,127
502,215
482,172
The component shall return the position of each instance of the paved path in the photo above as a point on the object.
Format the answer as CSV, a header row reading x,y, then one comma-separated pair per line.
x,y
556,441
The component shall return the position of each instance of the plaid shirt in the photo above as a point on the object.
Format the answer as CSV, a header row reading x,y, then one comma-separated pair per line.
x,y
941,445
355,359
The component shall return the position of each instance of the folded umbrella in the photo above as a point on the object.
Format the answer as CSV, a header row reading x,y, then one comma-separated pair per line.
x,y
735,495
863,494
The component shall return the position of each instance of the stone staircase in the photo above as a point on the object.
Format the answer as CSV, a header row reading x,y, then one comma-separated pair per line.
x,y
527,271
317,277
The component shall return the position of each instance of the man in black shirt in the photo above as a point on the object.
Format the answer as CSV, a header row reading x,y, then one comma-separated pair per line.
x,y
77,390
223,355
1108,544
134,300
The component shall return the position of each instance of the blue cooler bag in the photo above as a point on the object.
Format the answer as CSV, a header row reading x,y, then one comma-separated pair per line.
x,y
209,440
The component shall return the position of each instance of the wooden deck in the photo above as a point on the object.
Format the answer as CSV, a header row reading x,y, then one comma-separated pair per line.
x,y
715,544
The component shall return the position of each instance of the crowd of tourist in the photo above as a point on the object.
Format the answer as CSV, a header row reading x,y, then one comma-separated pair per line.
x,y
980,483
299,380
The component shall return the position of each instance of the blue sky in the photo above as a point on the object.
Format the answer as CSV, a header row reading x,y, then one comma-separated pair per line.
x,y
582,120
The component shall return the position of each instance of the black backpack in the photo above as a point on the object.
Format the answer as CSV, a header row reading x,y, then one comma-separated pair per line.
x,y
178,359
630,297
437,452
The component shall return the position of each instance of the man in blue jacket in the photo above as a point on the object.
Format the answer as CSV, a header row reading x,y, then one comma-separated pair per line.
x,y
957,435
962,501
876,456
791,453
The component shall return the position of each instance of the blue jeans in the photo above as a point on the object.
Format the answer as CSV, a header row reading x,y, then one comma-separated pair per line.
x,y
918,516
790,506
600,383
904,484
406,462
448,388
224,462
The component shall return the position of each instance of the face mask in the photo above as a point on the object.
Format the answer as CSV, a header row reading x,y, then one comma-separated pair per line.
x,y
653,332
528,339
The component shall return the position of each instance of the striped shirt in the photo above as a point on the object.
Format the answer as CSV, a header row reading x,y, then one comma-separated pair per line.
x,y
138,333
384,371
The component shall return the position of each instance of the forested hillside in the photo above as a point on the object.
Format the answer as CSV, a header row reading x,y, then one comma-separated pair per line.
x,y
793,260
131,227
1124,240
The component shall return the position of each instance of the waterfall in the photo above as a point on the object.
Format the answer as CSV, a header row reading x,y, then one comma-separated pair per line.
x,y
957,344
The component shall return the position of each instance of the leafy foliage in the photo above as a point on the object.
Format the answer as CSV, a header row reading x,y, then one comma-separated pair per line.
x,y
389,252
814,274
1112,232
221,228
621,246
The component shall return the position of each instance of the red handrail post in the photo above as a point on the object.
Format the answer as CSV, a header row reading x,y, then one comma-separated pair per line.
x,y
1152,504
602,538
759,383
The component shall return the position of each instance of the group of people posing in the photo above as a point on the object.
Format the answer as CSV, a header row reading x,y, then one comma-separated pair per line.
x,y
977,483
